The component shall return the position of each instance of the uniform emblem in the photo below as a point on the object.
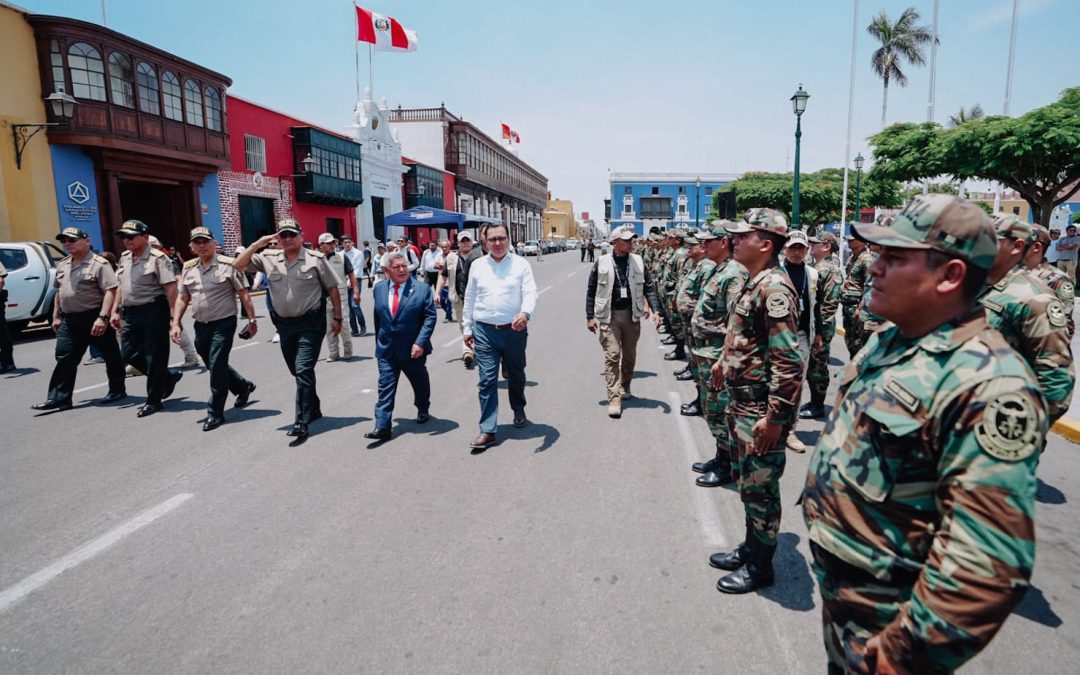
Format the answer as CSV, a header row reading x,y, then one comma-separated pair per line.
x,y
1055,312
778,306
1066,291
1008,428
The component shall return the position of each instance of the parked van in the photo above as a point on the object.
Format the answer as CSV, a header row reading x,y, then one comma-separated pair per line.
x,y
31,268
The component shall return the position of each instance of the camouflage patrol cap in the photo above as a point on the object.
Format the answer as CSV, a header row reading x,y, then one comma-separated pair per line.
x,y
134,227
691,238
943,223
200,233
1008,225
1041,234
707,234
766,220
288,225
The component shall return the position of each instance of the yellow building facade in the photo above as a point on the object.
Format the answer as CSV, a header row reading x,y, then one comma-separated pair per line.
x,y
557,220
28,208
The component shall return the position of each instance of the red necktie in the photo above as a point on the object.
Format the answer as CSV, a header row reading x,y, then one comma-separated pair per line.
x,y
393,306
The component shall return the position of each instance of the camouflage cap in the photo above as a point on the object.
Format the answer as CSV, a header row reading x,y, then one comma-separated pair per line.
x,y
200,233
1041,234
288,225
943,223
797,238
133,227
707,234
72,233
766,220
1008,225
691,238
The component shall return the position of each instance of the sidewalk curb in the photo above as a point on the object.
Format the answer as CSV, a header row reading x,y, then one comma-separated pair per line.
x,y
1067,428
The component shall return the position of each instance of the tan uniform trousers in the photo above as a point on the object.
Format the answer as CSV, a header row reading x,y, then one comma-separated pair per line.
x,y
459,312
619,340
344,338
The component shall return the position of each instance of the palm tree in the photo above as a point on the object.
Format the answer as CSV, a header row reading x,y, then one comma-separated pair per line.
x,y
900,41
975,112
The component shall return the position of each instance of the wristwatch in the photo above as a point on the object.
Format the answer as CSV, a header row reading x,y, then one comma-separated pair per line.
x,y
337,318
104,317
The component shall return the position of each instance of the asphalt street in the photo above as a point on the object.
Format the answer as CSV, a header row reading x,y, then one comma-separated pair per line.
x,y
578,544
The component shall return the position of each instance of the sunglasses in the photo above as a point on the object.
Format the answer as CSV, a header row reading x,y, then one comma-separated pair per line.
x,y
286,235
127,237
496,240
67,240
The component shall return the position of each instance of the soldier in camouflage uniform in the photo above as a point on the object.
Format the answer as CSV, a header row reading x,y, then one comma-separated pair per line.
x,y
1028,314
830,281
669,253
686,297
1057,280
856,280
920,495
676,270
763,374
708,326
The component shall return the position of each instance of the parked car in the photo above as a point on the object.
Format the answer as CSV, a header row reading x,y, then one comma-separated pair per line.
x,y
31,267
572,244
531,247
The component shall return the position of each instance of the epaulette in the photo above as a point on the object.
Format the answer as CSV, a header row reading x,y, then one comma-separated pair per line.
x,y
67,258
156,253
276,251
226,259
127,254
98,258
317,254
188,264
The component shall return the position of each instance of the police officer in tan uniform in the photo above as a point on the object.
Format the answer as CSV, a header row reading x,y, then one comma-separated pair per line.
x,y
146,294
86,288
210,285
299,282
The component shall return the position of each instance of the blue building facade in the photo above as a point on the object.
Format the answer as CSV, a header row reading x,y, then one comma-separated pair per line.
x,y
663,200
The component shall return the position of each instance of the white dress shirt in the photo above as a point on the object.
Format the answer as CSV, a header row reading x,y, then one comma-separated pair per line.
x,y
428,260
498,291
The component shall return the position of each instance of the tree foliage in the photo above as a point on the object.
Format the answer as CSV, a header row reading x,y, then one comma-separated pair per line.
x,y
901,40
820,193
966,115
1037,154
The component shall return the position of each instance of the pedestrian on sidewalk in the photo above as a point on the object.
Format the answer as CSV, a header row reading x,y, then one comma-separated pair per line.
x,y
1068,249
619,295
499,302
357,323
300,280
429,264
442,297
405,317
348,289
86,289
210,285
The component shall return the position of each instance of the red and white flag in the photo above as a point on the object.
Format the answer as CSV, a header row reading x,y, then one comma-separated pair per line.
x,y
509,134
384,32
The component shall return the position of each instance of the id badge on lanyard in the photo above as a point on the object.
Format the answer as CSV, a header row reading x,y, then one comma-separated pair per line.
x,y
624,293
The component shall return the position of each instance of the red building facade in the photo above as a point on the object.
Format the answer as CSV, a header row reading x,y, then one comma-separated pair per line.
x,y
282,167
424,185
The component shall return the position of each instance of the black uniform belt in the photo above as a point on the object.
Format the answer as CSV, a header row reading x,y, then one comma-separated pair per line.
x,y
207,323
837,568
294,320
156,302
747,393
85,312
496,326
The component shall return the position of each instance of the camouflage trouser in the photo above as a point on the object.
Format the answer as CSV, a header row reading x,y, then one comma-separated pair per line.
x,y
674,318
759,475
852,612
855,335
817,373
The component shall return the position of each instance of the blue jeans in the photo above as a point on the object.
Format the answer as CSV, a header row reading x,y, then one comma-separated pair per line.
x,y
492,346
444,298
356,315
390,370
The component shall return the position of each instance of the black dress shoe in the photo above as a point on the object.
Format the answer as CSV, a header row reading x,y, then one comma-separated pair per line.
x,y
242,397
170,385
148,409
422,417
690,409
684,375
299,430
519,419
212,422
672,356
704,467
378,434
52,405
669,340
733,560
7,368
715,479
684,369
746,580
113,397
812,411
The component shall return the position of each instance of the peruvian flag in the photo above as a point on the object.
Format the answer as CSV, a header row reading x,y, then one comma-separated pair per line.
x,y
509,134
384,32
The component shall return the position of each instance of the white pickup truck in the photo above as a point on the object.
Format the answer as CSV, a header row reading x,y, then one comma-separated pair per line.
x,y
31,268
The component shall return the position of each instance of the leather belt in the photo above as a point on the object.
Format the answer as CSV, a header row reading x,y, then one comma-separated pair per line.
x,y
496,326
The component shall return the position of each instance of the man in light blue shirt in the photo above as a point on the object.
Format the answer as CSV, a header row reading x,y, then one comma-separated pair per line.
x,y
499,302
356,259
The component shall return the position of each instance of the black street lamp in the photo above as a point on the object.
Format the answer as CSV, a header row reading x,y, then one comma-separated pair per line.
x,y
63,108
858,185
697,203
798,103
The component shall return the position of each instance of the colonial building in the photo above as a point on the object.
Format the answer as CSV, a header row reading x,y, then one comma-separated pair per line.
x,y
664,200
282,167
147,138
381,168
558,220
489,180
425,185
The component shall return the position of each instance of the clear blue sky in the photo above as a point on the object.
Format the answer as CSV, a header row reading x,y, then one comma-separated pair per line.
x,y
626,85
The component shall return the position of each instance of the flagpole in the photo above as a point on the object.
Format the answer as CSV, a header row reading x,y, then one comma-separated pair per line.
x,y
371,69
850,114
933,83
356,43
1008,87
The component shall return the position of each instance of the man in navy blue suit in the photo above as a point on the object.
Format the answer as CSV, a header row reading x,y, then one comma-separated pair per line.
x,y
404,320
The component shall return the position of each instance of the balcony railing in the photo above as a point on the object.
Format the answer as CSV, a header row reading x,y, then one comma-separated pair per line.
x,y
422,115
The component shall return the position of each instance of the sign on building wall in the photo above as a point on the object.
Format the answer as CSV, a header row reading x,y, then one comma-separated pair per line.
x,y
76,191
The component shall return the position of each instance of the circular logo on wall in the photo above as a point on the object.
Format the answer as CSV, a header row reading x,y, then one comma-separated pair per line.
x,y
257,179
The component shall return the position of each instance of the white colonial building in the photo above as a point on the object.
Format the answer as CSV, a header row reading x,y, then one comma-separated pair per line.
x,y
381,170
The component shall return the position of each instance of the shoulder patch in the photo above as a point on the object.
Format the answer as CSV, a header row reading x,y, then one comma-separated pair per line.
x,y
226,259
99,258
317,254
778,305
1009,428
908,400
1066,291
1055,313
188,264
156,253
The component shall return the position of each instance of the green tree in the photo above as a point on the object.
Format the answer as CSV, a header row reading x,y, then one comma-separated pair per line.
x,y
935,188
1037,154
975,112
1075,218
900,40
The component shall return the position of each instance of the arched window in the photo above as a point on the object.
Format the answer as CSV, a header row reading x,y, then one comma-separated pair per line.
x,y
146,79
213,109
193,103
87,72
170,96
122,80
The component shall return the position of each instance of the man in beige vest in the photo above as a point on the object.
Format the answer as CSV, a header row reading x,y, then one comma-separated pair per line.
x,y
620,294
347,275
455,277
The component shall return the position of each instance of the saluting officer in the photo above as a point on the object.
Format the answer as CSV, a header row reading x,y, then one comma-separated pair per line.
x,y
86,289
147,293
210,285
299,281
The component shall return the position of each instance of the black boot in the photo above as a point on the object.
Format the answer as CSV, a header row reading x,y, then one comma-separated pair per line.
x,y
735,559
721,475
692,409
684,375
757,573
813,410
669,340
704,467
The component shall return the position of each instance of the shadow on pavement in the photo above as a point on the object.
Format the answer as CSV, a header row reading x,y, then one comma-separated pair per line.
x,y
548,433
643,373
1035,607
328,423
639,402
20,372
1048,494
249,413
435,426
503,383
794,587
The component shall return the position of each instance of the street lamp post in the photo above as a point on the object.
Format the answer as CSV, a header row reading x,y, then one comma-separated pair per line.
x,y
858,185
798,103
697,203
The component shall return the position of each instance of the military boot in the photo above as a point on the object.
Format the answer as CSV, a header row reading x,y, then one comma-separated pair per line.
x,y
720,474
735,559
704,467
814,410
669,340
757,573
692,409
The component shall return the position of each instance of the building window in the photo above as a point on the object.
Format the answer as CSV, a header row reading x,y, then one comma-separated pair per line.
x,y
656,190
122,80
682,207
193,103
1016,210
147,84
335,226
682,190
213,109
708,192
626,190
56,59
628,208
170,94
87,72
255,153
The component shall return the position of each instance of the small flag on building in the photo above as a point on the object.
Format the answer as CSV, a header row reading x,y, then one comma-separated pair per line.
x,y
509,134
385,32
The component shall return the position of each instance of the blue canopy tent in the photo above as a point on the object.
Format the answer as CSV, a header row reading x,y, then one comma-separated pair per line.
x,y
425,216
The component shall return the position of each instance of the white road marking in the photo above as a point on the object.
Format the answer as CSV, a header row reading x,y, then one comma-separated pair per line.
x,y
570,275
704,503
543,291
15,593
